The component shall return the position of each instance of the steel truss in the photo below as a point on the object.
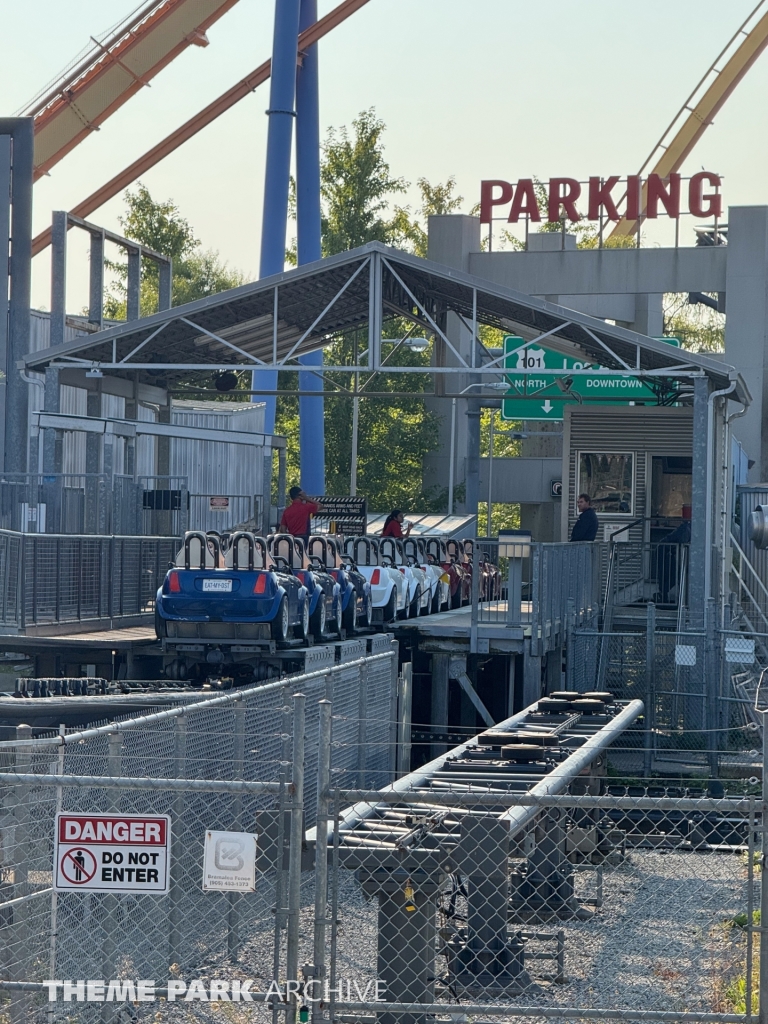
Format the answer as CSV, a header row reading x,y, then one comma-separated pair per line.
x,y
272,323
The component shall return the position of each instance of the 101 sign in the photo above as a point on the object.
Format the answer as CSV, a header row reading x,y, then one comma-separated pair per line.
x,y
534,371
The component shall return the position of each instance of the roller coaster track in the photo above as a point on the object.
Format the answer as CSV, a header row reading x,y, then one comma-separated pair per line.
x,y
697,113
195,124
114,68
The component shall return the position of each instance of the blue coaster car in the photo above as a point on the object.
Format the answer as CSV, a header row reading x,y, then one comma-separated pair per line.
x,y
354,606
242,593
323,590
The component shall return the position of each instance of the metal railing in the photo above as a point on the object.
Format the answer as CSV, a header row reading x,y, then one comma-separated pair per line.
x,y
639,572
560,584
51,579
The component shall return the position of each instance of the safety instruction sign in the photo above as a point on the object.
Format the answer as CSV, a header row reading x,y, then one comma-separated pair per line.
x,y
229,862
111,853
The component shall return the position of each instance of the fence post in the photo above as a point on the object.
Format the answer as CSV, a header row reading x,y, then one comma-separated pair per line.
x,y
294,853
570,644
20,1008
362,706
475,600
110,903
238,762
175,895
54,895
650,687
711,689
763,991
404,697
321,850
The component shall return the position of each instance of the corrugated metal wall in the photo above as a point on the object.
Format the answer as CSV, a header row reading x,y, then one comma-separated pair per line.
x,y
234,471
644,430
211,468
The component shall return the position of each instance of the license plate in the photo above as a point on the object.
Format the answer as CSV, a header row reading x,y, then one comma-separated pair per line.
x,y
218,586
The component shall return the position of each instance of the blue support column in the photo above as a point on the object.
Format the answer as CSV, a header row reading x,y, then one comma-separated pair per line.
x,y
281,113
311,424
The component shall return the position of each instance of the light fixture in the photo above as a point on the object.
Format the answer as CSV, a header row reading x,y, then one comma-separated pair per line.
x,y
514,543
564,384
94,372
417,344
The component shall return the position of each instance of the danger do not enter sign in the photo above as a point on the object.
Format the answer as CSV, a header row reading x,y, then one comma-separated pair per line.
x,y
111,852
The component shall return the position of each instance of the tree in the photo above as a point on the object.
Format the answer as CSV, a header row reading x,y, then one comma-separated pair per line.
x,y
699,327
160,226
356,186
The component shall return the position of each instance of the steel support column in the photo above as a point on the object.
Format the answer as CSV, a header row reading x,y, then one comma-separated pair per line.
x,y
309,238
702,467
16,397
281,112
5,238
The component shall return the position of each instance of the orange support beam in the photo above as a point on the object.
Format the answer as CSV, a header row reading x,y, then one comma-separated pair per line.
x,y
114,71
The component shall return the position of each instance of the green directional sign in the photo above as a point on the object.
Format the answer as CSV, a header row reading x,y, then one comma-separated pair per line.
x,y
535,370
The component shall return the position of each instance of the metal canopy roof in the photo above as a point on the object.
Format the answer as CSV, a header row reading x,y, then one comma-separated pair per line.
x,y
270,323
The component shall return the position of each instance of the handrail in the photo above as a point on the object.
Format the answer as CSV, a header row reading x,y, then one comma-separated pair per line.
x,y
635,522
682,581
744,557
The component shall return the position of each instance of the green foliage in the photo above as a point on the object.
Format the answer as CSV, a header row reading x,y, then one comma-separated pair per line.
x,y
394,433
355,184
699,328
197,273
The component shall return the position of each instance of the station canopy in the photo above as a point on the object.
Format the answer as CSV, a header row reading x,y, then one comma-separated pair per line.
x,y
428,525
270,323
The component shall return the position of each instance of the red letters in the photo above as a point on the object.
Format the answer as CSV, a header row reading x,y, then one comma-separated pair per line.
x,y
524,202
567,200
600,198
643,198
633,197
487,201
668,196
709,205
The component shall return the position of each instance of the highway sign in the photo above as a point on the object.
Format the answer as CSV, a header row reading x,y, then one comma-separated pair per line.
x,y
535,370
111,853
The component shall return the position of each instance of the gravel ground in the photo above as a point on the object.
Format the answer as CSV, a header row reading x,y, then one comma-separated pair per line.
x,y
661,941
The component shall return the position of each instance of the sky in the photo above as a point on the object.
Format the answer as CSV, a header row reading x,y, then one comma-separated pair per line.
x,y
480,89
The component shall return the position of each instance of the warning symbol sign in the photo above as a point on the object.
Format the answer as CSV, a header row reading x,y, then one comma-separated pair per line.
x,y
78,866
111,852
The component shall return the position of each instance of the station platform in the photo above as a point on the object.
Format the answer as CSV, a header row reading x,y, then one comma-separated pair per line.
x,y
451,630
96,640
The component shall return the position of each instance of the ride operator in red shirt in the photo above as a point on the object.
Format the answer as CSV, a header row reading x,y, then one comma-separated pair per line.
x,y
296,517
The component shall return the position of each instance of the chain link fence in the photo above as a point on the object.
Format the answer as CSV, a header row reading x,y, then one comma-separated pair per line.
x,y
243,762
604,905
700,690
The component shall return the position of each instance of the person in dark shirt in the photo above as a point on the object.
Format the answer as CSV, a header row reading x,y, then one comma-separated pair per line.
x,y
297,516
585,527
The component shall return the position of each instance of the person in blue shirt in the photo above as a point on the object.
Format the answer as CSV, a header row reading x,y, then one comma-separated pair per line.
x,y
585,527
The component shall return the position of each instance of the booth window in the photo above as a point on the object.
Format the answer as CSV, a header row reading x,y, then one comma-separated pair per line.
x,y
609,479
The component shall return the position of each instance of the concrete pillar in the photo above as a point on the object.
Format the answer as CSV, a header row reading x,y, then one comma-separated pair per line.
x,y
746,328
553,670
649,316
441,664
531,677
451,241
